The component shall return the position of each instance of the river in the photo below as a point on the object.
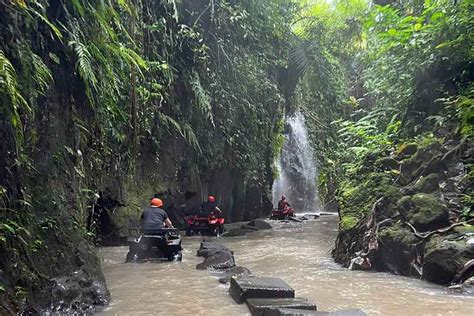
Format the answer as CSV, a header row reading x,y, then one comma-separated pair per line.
x,y
299,253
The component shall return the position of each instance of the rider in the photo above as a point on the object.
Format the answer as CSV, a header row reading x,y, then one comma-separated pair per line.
x,y
210,207
154,218
283,203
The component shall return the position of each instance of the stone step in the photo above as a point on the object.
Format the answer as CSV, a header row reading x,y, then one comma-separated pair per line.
x,y
267,306
259,287
304,312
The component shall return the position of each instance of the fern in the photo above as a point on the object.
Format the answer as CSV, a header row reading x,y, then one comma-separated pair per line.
x,y
9,87
203,99
185,130
42,75
84,65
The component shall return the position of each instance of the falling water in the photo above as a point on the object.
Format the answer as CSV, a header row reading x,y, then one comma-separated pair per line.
x,y
297,169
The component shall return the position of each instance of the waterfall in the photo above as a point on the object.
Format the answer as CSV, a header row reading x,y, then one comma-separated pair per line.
x,y
297,178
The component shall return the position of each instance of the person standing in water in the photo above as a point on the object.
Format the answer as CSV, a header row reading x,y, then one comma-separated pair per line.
x,y
154,218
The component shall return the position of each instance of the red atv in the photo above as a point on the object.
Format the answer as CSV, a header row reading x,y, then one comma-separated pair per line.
x,y
204,224
283,214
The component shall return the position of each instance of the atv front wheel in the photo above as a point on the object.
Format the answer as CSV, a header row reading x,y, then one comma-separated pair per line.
x,y
189,232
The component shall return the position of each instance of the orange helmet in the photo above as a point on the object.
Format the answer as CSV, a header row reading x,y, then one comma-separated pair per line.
x,y
211,198
156,202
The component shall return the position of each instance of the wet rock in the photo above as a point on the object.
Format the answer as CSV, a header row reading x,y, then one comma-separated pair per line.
x,y
445,258
424,211
396,251
220,260
465,288
406,150
248,227
260,224
235,272
264,306
236,232
302,312
295,219
209,248
359,263
427,184
259,287
78,292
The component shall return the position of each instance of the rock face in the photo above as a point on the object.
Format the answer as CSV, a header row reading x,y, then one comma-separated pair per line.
x,y
265,306
411,219
259,287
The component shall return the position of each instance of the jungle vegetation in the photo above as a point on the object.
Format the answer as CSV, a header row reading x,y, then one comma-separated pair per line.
x,y
89,87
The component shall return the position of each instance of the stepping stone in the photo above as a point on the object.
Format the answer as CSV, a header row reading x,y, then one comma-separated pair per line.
x,y
259,287
302,312
265,306
209,248
235,272
221,260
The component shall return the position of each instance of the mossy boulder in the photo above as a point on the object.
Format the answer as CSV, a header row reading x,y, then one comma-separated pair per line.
x,y
444,258
387,163
396,250
426,159
424,211
427,184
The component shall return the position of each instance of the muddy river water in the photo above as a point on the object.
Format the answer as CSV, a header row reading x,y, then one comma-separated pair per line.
x,y
299,253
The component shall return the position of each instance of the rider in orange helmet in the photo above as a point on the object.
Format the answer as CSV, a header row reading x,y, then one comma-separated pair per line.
x,y
154,218
210,207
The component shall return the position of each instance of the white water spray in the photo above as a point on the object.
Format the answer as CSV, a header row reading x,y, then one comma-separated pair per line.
x,y
297,169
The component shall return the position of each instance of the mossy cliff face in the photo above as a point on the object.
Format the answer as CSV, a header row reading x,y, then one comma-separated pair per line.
x,y
97,118
409,212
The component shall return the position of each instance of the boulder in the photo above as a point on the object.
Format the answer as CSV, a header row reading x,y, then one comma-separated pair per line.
x,y
303,312
260,224
427,184
444,258
396,252
263,306
236,232
259,287
219,260
209,248
79,292
424,211
248,227
235,272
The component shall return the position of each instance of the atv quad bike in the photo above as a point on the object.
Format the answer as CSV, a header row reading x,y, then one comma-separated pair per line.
x,y
204,225
283,214
160,245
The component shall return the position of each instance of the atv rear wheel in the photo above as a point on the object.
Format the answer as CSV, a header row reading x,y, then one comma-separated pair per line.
x,y
176,257
131,257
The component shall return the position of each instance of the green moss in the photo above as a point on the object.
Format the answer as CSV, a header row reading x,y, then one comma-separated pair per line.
x,y
427,184
347,222
428,212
